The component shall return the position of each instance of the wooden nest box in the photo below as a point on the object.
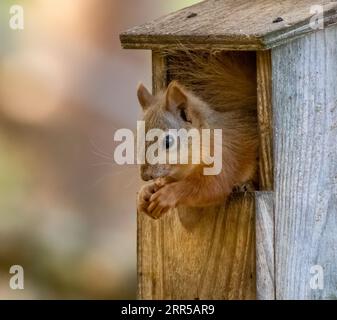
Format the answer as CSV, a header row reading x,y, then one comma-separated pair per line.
x,y
279,242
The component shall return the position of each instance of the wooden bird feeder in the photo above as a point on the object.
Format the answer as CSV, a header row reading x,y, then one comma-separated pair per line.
x,y
277,242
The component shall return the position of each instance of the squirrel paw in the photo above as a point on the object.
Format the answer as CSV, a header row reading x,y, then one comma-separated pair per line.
x,y
144,196
162,201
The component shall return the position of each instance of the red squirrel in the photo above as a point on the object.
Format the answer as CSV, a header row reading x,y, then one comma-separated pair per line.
x,y
218,93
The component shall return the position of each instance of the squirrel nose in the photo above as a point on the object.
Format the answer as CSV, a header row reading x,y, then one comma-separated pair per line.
x,y
146,176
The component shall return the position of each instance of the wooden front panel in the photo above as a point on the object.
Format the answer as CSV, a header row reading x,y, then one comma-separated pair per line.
x,y
199,253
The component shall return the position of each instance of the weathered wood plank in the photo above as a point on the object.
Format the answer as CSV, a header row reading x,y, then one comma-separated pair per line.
x,y
305,109
159,71
149,256
265,115
265,264
230,25
199,253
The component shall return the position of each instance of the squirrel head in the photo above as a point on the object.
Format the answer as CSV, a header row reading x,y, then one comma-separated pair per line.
x,y
174,108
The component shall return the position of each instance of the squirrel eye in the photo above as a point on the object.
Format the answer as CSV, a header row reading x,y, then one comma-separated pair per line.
x,y
168,141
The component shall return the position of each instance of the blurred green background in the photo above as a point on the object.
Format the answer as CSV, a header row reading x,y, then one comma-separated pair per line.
x,y
67,213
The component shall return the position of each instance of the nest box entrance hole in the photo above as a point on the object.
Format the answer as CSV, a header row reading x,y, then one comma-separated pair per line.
x,y
238,79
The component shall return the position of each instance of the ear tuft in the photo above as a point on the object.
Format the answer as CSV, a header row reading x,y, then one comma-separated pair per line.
x,y
175,97
145,98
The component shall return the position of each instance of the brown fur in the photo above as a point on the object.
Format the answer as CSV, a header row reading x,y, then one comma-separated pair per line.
x,y
219,92
225,80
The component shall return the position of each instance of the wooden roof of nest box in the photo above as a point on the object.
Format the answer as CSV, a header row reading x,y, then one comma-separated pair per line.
x,y
231,25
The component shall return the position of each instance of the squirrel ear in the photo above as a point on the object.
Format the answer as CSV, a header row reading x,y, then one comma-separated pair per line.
x,y
175,97
145,98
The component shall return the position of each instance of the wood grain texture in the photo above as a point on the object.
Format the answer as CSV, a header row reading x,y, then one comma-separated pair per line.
x,y
159,71
229,25
265,262
199,253
151,233
265,116
305,109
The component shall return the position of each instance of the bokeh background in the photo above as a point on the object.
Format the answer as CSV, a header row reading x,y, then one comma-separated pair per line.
x,y
67,212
